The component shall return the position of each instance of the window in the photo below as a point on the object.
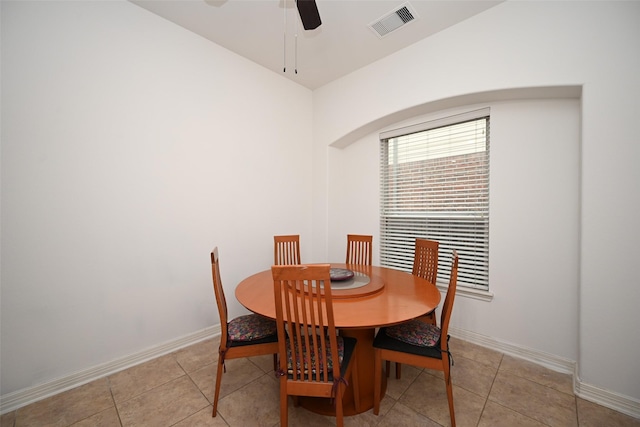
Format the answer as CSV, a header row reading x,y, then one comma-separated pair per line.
x,y
435,185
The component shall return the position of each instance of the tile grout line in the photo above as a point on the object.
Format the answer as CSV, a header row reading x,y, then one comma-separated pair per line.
x,y
486,400
115,406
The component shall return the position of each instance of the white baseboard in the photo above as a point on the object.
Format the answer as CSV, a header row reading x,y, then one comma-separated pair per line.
x,y
609,399
550,361
20,398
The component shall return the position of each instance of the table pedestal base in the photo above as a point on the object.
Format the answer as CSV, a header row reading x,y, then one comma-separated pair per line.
x,y
365,360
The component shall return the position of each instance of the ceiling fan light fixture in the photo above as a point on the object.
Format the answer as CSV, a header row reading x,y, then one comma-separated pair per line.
x,y
399,17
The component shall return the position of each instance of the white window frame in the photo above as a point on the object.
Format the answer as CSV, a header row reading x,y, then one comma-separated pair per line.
x,y
401,223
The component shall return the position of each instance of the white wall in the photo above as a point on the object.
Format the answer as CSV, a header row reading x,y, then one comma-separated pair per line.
x,y
593,45
130,148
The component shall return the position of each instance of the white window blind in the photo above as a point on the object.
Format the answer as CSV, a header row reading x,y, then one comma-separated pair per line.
x,y
435,185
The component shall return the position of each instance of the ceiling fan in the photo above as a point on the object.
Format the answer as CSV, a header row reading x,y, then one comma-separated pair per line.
x,y
309,14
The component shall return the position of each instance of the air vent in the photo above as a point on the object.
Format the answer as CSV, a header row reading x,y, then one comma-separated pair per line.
x,y
393,20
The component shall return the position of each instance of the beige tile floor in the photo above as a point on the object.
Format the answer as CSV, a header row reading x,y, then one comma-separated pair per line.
x,y
490,390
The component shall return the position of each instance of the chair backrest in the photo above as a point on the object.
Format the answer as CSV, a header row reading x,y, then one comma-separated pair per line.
x,y
304,307
425,260
359,249
447,307
220,299
286,250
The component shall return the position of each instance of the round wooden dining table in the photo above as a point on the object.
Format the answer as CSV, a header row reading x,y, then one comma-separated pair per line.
x,y
383,297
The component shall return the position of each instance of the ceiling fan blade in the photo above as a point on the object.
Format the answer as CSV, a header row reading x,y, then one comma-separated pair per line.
x,y
309,14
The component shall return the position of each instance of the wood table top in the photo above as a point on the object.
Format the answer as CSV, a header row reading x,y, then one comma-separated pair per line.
x,y
397,296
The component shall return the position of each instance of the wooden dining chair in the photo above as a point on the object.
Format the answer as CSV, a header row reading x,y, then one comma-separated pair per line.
x,y
419,344
425,265
311,363
425,260
359,249
286,250
245,336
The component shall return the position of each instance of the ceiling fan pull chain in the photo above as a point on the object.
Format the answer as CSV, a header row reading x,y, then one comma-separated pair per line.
x,y
296,48
284,65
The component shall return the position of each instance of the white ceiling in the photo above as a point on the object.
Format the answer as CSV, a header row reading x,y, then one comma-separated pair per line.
x,y
255,29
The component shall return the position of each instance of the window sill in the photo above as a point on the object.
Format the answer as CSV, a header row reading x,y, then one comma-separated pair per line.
x,y
478,294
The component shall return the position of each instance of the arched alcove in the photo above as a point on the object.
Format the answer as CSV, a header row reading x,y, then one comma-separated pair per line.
x,y
542,92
